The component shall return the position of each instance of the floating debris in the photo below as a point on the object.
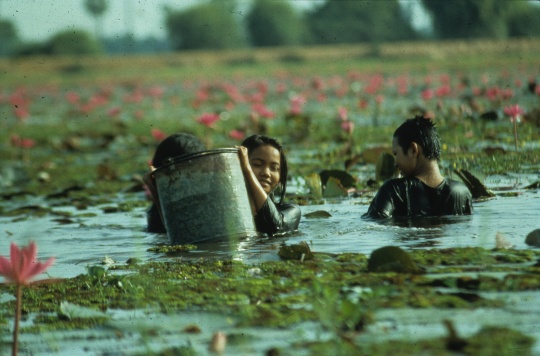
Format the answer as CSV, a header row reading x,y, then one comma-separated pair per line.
x,y
107,261
501,242
218,342
300,252
172,249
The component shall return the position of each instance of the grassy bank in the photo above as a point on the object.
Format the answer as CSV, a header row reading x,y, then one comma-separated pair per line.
x,y
387,57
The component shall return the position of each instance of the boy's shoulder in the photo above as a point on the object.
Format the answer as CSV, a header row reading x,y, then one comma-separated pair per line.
x,y
457,187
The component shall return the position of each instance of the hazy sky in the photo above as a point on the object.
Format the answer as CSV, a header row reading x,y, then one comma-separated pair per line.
x,y
41,19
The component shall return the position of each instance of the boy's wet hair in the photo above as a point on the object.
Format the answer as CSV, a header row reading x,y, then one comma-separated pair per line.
x,y
422,131
176,145
255,141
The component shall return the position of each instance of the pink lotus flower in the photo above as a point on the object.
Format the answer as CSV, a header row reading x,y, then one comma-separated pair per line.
x,y
237,135
296,104
514,111
427,94
443,90
347,126
158,135
21,112
261,110
20,269
363,103
343,113
72,97
114,111
17,141
22,265
493,93
156,91
507,94
208,119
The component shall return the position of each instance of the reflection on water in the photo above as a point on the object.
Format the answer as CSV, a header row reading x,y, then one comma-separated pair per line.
x,y
86,240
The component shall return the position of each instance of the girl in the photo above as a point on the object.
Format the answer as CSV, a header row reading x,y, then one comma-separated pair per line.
x,y
264,166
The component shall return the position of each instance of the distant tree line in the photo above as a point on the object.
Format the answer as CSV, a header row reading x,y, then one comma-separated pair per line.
x,y
218,24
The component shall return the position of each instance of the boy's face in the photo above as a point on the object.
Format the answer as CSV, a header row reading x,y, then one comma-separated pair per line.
x,y
404,161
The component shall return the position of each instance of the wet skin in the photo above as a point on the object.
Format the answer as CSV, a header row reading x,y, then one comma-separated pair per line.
x,y
413,163
265,164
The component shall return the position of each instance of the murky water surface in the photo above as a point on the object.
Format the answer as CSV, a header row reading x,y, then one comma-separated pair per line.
x,y
84,240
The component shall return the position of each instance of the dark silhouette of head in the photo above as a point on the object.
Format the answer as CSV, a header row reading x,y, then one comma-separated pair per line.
x,y
176,145
255,141
422,131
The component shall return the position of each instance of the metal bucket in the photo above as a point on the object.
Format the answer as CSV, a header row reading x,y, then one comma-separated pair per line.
x,y
203,197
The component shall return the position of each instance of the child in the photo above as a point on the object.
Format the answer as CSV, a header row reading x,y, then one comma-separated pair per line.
x,y
173,146
422,191
264,166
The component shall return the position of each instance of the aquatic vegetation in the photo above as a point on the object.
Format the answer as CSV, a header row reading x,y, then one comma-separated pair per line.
x,y
172,249
335,291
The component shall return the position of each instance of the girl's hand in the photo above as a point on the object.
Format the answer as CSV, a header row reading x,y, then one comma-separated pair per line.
x,y
150,181
244,158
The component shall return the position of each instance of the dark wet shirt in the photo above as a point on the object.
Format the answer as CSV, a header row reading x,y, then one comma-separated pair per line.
x,y
411,197
272,218
153,220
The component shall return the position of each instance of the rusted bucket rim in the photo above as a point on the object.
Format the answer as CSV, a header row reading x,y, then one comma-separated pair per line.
x,y
189,156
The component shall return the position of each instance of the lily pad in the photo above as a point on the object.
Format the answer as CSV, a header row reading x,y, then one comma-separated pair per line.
x,y
391,259
533,238
477,188
334,189
319,214
343,177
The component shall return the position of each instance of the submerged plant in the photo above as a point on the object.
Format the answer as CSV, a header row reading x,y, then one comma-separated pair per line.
x,y
20,269
515,112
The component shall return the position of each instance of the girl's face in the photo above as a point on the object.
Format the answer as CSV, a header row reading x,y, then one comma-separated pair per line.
x,y
404,161
265,162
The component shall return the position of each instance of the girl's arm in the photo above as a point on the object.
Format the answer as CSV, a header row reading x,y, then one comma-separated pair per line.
x,y
256,192
150,182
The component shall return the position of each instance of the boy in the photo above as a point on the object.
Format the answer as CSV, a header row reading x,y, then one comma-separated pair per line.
x,y
173,146
422,191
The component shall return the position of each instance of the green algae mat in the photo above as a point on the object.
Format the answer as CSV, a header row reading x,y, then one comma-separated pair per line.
x,y
324,304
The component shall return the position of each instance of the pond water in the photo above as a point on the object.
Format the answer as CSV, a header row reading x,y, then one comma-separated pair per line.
x,y
90,235
84,240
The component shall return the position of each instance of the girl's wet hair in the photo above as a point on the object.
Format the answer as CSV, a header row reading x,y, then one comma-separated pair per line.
x,y
422,131
255,141
176,145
